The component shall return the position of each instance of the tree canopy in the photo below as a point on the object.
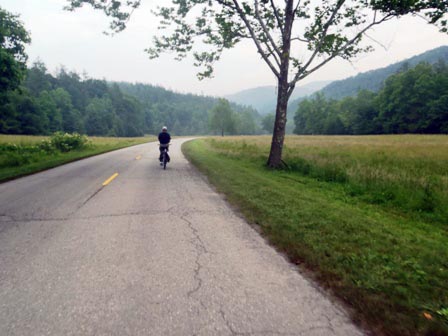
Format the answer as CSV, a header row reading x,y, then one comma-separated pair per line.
x,y
13,38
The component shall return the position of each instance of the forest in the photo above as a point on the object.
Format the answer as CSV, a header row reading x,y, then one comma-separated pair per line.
x,y
413,100
188,114
35,102
69,102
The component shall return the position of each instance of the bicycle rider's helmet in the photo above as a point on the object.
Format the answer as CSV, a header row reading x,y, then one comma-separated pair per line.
x,y
164,128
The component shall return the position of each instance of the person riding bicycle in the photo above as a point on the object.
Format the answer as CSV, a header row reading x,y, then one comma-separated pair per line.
x,y
164,139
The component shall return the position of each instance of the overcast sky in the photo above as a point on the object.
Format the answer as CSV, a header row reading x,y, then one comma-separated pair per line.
x,y
76,41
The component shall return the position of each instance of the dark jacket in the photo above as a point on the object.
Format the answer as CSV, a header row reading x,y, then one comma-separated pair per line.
x,y
164,138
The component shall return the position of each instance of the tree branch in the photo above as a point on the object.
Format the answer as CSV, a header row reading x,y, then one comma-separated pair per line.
x,y
324,34
279,22
268,35
300,39
227,4
303,73
254,38
297,7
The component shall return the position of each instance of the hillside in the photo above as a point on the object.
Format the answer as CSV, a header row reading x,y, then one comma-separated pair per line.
x,y
264,98
411,101
66,102
186,113
373,80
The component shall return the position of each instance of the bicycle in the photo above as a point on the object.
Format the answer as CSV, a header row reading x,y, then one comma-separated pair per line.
x,y
165,156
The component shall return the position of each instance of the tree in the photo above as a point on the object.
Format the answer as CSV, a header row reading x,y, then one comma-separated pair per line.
x,y
407,103
9,123
13,38
311,115
129,112
268,122
71,118
438,115
37,79
27,117
244,123
221,117
359,114
101,118
323,30
49,107
71,82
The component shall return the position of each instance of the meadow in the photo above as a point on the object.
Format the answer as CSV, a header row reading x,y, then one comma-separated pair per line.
x,y
367,217
22,155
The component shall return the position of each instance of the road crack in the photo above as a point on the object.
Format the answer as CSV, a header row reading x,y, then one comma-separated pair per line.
x,y
86,201
228,325
6,218
200,251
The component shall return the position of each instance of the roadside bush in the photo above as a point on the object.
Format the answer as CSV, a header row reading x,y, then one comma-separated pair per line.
x,y
13,159
46,146
7,147
66,142
17,155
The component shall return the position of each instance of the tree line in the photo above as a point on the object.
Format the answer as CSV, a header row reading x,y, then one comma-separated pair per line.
x,y
69,102
45,104
189,114
33,101
414,100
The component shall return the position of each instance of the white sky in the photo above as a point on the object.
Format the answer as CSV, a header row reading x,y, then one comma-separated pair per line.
x,y
76,41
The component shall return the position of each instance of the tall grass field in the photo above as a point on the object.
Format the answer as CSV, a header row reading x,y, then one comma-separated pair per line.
x,y
366,215
22,155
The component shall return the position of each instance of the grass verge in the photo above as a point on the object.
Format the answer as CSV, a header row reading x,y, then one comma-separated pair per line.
x,y
337,211
24,155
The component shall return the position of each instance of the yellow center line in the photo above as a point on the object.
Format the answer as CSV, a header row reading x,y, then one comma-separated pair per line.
x,y
138,157
109,180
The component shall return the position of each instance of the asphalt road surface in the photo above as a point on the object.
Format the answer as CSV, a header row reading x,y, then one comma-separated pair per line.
x,y
152,252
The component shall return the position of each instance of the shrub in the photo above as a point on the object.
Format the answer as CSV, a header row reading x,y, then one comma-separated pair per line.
x,y
8,147
66,142
46,146
15,159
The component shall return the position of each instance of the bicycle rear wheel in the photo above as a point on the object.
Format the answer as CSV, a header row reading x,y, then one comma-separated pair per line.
x,y
164,160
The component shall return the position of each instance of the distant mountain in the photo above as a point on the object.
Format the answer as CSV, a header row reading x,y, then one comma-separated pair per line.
x,y
373,80
264,98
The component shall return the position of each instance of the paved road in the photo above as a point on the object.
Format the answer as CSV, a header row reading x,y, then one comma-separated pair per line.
x,y
152,253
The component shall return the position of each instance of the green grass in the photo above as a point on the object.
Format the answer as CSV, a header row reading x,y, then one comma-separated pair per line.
x,y
21,155
367,215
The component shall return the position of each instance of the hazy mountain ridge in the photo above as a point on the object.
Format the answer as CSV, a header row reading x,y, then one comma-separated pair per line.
x,y
264,98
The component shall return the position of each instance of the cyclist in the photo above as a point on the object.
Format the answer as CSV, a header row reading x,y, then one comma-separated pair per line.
x,y
164,139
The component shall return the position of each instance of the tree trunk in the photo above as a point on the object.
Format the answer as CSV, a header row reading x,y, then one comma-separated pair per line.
x,y
278,136
284,92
